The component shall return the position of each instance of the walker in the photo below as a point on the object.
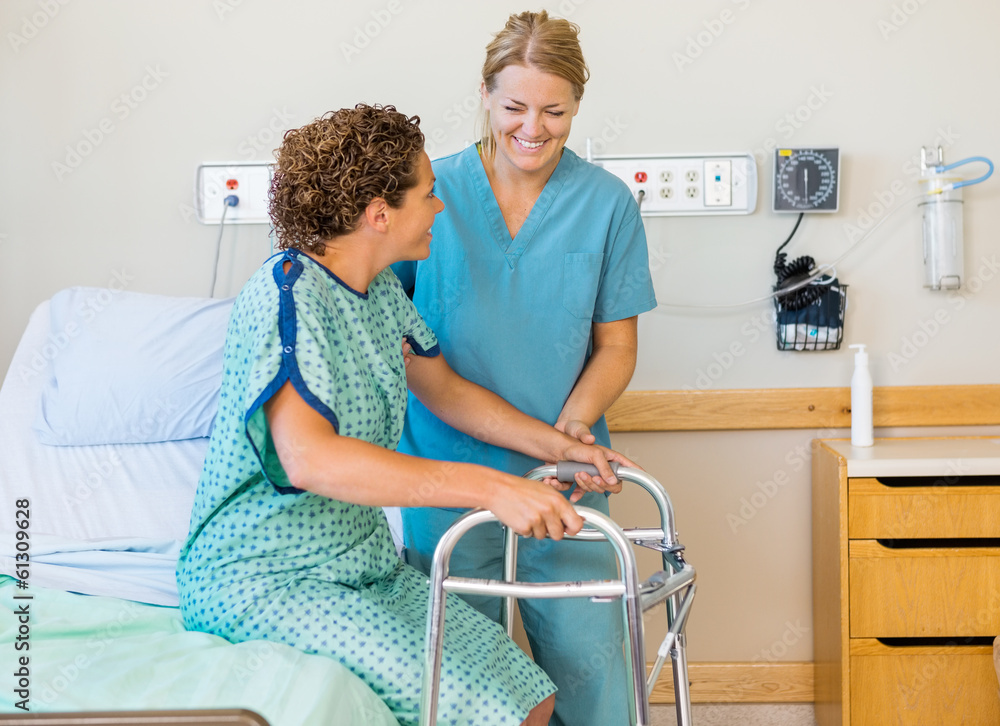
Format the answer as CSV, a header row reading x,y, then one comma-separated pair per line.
x,y
674,586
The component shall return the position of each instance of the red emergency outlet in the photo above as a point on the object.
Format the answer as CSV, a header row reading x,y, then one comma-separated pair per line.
x,y
640,177
232,184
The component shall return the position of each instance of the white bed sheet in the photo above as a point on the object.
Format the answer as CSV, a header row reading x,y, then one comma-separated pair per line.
x,y
113,516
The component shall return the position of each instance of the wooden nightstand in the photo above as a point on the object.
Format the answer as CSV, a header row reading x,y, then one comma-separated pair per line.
x,y
906,581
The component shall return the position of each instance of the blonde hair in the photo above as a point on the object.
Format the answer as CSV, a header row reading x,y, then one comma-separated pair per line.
x,y
535,40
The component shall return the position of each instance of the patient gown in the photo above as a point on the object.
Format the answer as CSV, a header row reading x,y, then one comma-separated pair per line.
x,y
267,561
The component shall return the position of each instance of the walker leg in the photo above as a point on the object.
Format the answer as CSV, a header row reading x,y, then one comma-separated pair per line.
x,y
635,661
682,689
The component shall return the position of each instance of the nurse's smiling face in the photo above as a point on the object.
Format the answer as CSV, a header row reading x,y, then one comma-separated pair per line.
x,y
531,113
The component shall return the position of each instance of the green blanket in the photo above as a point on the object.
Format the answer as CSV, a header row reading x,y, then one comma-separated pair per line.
x,y
80,653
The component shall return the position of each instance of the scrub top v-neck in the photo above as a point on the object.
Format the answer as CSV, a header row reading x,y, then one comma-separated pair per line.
x,y
512,248
515,315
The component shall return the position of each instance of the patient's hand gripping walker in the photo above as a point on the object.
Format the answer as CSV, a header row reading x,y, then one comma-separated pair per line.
x,y
673,585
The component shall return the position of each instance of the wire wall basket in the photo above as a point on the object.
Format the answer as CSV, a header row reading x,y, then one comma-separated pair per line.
x,y
811,317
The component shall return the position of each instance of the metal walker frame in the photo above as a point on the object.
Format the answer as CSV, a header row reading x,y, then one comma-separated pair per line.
x,y
674,585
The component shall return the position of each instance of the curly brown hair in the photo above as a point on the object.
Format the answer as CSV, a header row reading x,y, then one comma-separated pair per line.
x,y
330,170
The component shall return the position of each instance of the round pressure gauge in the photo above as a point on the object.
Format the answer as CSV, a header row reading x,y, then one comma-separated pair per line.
x,y
806,180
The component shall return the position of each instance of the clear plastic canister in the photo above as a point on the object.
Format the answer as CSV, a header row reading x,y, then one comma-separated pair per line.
x,y
944,262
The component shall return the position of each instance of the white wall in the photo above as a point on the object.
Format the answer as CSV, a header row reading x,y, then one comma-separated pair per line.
x,y
882,77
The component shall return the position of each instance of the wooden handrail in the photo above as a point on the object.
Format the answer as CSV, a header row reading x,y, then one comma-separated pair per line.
x,y
803,408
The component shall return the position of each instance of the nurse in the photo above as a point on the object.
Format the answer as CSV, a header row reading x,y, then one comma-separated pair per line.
x,y
538,273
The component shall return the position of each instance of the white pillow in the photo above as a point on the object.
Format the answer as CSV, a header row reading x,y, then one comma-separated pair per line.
x,y
129,367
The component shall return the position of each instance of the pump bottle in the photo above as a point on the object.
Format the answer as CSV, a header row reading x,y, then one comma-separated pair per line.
x,y
862,433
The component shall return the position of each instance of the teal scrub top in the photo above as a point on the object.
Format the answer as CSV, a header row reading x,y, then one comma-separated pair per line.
x,y
515,315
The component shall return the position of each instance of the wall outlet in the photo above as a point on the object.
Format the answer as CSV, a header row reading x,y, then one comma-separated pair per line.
x,y
248,181
685,184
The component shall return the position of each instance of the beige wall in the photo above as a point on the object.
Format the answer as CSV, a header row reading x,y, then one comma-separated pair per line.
x,y
210,80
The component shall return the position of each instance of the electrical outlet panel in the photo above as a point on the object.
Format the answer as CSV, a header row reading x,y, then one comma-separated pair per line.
x,y
249,182
687,184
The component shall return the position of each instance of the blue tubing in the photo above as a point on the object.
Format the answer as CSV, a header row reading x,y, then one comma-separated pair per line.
x,y
968,182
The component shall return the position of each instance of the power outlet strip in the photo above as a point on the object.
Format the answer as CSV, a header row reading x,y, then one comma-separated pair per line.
x,y
682,184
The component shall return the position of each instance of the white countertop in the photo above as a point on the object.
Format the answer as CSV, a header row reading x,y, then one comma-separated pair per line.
x,y
921,457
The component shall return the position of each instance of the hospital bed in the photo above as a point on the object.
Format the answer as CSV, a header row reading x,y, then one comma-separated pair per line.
x,y
104,524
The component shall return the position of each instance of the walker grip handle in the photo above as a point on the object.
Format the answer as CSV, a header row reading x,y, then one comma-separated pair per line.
x,y
566,470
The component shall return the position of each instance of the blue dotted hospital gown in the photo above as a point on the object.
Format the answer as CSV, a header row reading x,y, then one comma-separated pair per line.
x,y
265,560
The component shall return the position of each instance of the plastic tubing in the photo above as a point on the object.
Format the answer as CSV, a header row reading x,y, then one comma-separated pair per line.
x,y
820,271
965,182
823,269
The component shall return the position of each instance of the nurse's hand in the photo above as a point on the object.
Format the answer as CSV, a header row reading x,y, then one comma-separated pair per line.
x,y
407,351
605,481
577,429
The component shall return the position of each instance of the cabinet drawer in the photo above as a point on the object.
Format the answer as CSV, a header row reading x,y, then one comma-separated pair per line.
x,y
878,511
923,592
897,686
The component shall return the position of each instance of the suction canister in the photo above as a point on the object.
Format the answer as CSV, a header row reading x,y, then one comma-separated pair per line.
x,y
944,261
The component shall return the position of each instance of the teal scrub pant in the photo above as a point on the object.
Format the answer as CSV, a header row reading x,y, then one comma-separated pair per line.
x,y
579,644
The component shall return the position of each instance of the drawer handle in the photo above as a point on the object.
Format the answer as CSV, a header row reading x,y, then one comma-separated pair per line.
x,y
930,543
979,641
932,482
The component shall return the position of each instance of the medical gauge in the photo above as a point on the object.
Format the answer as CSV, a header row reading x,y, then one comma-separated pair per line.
x,y
806,180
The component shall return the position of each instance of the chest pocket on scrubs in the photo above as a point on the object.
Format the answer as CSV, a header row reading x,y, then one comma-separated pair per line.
x,y
581,279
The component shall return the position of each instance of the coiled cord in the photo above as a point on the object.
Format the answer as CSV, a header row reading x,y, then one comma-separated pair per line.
x,y
790,274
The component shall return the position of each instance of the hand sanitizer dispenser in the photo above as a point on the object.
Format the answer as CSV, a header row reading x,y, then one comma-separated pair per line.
x,y
862,429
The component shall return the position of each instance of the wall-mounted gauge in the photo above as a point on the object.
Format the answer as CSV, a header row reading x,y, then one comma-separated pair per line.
x,y
806,180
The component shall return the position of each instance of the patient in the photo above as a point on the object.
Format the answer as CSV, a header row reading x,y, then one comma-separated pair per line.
x,y
288,541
